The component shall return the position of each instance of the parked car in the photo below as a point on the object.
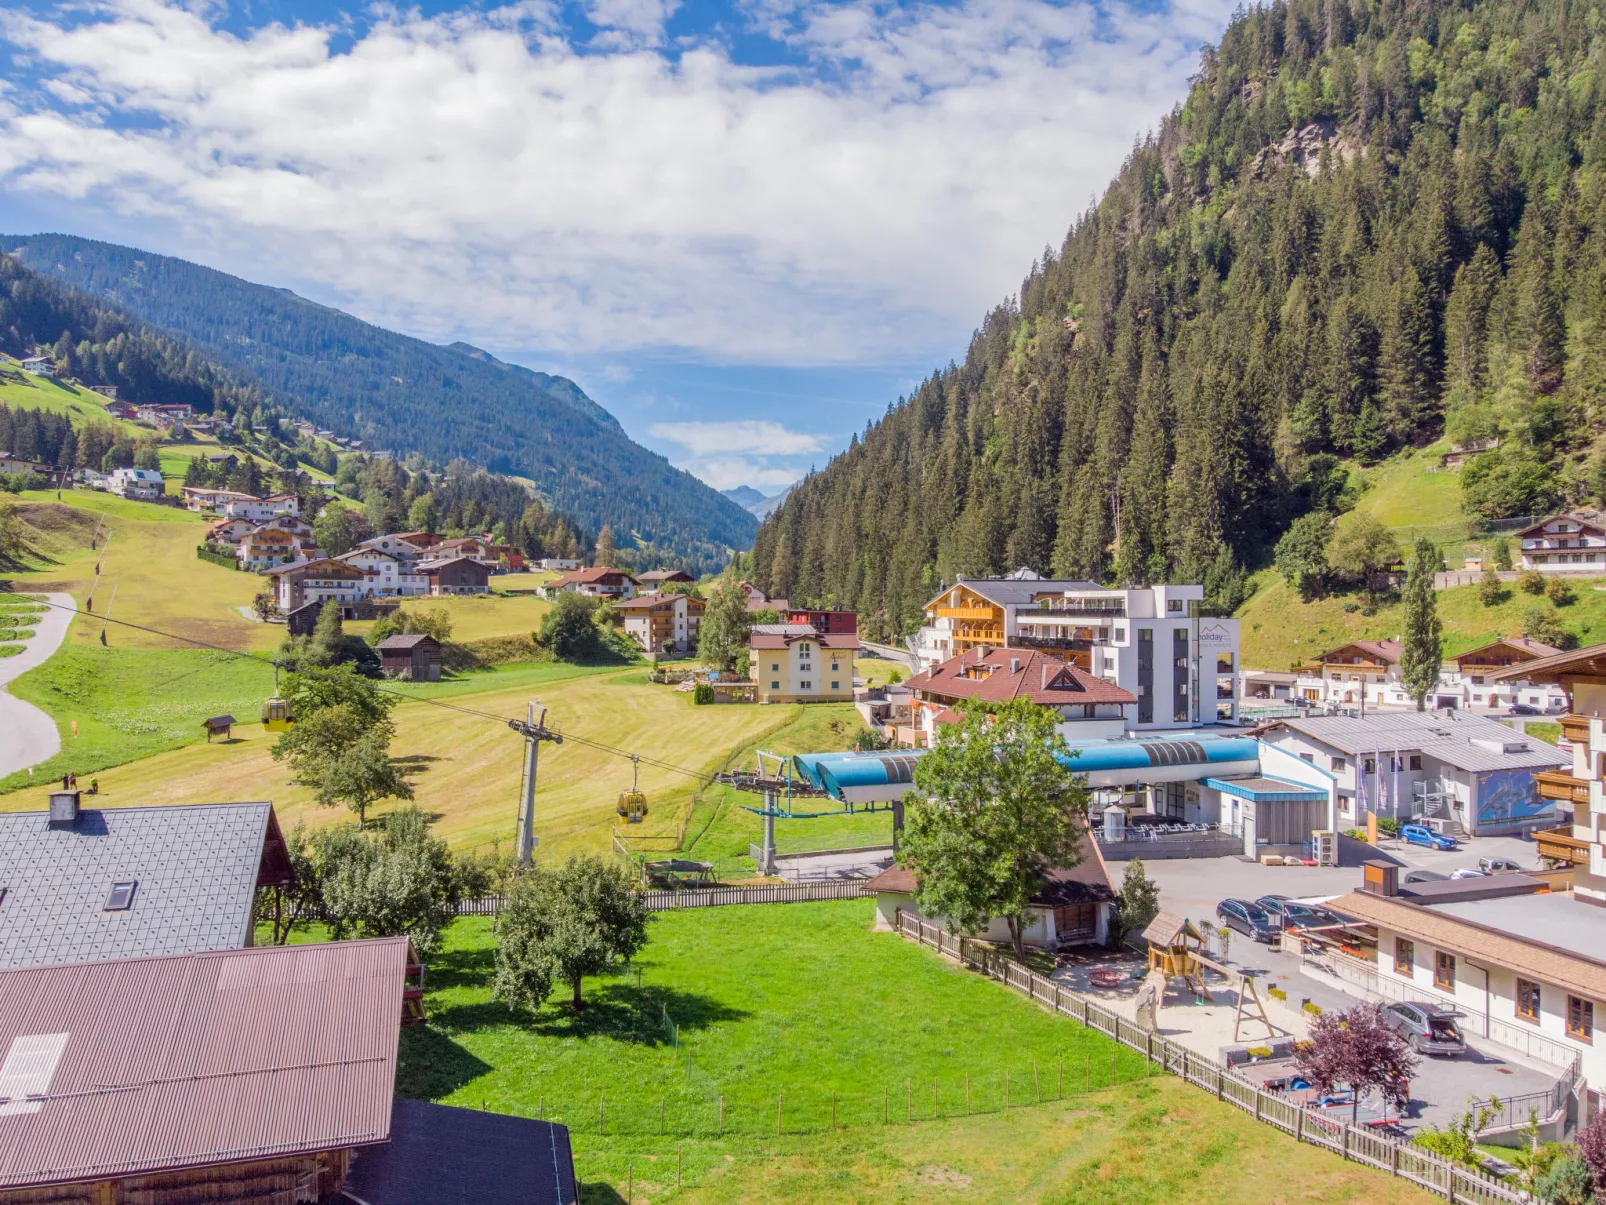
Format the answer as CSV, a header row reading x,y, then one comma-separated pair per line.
x,y
1288,914
1251,920
1430,1028
1421,834
1425,876
1523,709
1498,866
1469,872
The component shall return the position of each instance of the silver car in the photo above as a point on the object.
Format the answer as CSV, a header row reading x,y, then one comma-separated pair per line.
x,y
1430,1028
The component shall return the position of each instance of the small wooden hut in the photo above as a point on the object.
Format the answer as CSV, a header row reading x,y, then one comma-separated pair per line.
x,y
218,725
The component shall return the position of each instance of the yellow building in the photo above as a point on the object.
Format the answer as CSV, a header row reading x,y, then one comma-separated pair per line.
x,y
798,665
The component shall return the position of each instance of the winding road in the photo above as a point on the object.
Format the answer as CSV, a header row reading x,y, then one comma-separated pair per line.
x,y
28,735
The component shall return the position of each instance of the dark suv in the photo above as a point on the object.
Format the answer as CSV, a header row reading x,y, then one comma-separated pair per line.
x,y
1287,914
1251,920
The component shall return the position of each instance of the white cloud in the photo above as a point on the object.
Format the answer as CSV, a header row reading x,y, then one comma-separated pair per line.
x,y
727,472
476,175
738,438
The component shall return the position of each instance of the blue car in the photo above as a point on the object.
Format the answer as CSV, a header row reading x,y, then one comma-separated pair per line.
x,y
1421,834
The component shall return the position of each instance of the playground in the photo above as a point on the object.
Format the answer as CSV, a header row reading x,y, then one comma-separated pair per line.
x,y
863,1043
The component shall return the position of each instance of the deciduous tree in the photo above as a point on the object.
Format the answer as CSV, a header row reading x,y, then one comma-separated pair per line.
x,y
1356,1049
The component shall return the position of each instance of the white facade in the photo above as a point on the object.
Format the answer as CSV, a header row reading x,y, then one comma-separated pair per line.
x,y
1564,545
1589,820
259,510
40,366
557,564
1341,687
388,576
1182,667
145,484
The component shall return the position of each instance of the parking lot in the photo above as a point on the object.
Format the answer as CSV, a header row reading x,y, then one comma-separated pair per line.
x,y
1442,1087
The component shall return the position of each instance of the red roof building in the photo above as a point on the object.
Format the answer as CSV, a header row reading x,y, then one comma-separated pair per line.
x,y
995,676
596,582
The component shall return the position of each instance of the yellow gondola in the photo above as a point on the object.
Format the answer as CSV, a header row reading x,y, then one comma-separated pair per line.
x,y
632,805
276,714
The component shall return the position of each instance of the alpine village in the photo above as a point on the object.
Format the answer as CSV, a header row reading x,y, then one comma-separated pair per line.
x,y
1160,758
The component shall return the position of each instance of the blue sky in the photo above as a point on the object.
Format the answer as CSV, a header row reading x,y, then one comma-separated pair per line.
x,y
744,226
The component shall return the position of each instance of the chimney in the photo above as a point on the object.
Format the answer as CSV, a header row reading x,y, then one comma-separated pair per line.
x,y
1380,878
1014,665
1044,684
63,810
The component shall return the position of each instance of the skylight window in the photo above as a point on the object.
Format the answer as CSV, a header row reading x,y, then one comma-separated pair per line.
x,y
29,1067
121,898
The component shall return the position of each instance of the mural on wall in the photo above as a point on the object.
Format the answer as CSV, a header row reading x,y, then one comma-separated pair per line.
x,y
1510,797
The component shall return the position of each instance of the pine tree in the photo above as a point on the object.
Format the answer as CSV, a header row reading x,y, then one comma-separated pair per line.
x,y
1422,652
1407,365
606,557
1466,319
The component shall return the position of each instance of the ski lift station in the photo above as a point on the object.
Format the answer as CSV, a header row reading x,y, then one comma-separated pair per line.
x,y
1189,795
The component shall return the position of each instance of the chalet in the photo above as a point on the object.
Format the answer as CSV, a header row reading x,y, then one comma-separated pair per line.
x,y
265,548
122,410
1564,544
468,546
106,391
1464,450
1086,706
389,576
54,478
259,510
144,484
40,366
416,658
455,575
662,623
802,666
1073,907
598,582
404,546
757,600
302,582
200,498
226,1075
1578,790
1342,676
557,564
84,884
421,541
1472,670
656,579
164,414
227,461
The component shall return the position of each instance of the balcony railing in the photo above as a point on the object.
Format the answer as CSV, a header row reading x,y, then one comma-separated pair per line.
x,y
1561,786
1054,642
967,613
1114,609
1560,844
1575,728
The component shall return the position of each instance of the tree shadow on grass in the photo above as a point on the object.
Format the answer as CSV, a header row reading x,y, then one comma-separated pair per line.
x,y
618,1011
430,1065
598,1193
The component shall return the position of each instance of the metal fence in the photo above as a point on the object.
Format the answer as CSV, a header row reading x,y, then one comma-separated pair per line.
x,y
668,901
1382,1151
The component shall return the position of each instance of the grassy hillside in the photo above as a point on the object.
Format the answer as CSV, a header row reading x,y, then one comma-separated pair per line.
x,y
466,767
24,391
1277,629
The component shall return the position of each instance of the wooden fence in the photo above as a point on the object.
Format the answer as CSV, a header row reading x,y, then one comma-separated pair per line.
x,y
1358,1143
668,901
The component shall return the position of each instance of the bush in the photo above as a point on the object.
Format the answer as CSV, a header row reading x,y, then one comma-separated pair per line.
x,y
703,694
1491,591
1541,624
1560,592
1531,581
1351,607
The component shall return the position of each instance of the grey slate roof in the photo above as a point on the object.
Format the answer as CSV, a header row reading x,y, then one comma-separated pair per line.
x,y
1446,735
196,867
1006,592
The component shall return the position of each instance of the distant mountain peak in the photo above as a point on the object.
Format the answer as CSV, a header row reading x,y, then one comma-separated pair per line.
x,y
744,496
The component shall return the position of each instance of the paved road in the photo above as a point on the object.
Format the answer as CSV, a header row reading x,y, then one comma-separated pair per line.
x,y
28,735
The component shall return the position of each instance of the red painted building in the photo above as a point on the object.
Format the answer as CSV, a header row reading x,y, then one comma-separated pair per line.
x,y
826,623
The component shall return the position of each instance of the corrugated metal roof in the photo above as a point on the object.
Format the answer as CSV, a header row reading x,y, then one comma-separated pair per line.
x,y
196,868
1445,735
204,1058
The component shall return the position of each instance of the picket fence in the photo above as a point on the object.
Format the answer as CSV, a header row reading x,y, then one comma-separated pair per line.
x,y
1358,1143
713,897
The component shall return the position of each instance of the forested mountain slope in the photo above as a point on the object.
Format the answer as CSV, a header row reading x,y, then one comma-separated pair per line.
x,y
1369,223
400,393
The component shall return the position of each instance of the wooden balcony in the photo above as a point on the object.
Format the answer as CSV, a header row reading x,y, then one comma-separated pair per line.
x,y
1575,728
1561,786
981,613
1560,844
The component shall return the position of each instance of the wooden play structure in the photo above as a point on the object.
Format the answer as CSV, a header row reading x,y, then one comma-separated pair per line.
x,y
1176,951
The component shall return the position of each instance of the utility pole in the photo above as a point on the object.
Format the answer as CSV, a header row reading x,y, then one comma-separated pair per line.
x,y
534,731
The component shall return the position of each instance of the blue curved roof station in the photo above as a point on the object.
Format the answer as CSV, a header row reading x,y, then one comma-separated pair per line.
x,y
874,777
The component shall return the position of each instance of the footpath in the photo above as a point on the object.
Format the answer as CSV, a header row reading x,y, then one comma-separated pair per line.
x,y
27,735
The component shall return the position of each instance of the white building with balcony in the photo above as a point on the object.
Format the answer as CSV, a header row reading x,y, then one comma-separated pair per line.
x,y
1180,666
1564,544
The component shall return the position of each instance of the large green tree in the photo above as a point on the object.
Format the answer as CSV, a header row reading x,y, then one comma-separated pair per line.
x,y
724,630
1422,644
995,807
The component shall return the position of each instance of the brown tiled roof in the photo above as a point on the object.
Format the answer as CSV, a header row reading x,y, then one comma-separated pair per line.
x,y
405,643
1088,882
1583,523
192,1060
1387,651
1522,644
666,575
323,567
1531,959
584,576
1042,678
1590,660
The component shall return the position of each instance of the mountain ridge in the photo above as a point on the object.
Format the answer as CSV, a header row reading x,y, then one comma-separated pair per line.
x,y
404,394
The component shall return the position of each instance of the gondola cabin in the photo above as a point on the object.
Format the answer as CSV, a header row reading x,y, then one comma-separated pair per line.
x,y
276,714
